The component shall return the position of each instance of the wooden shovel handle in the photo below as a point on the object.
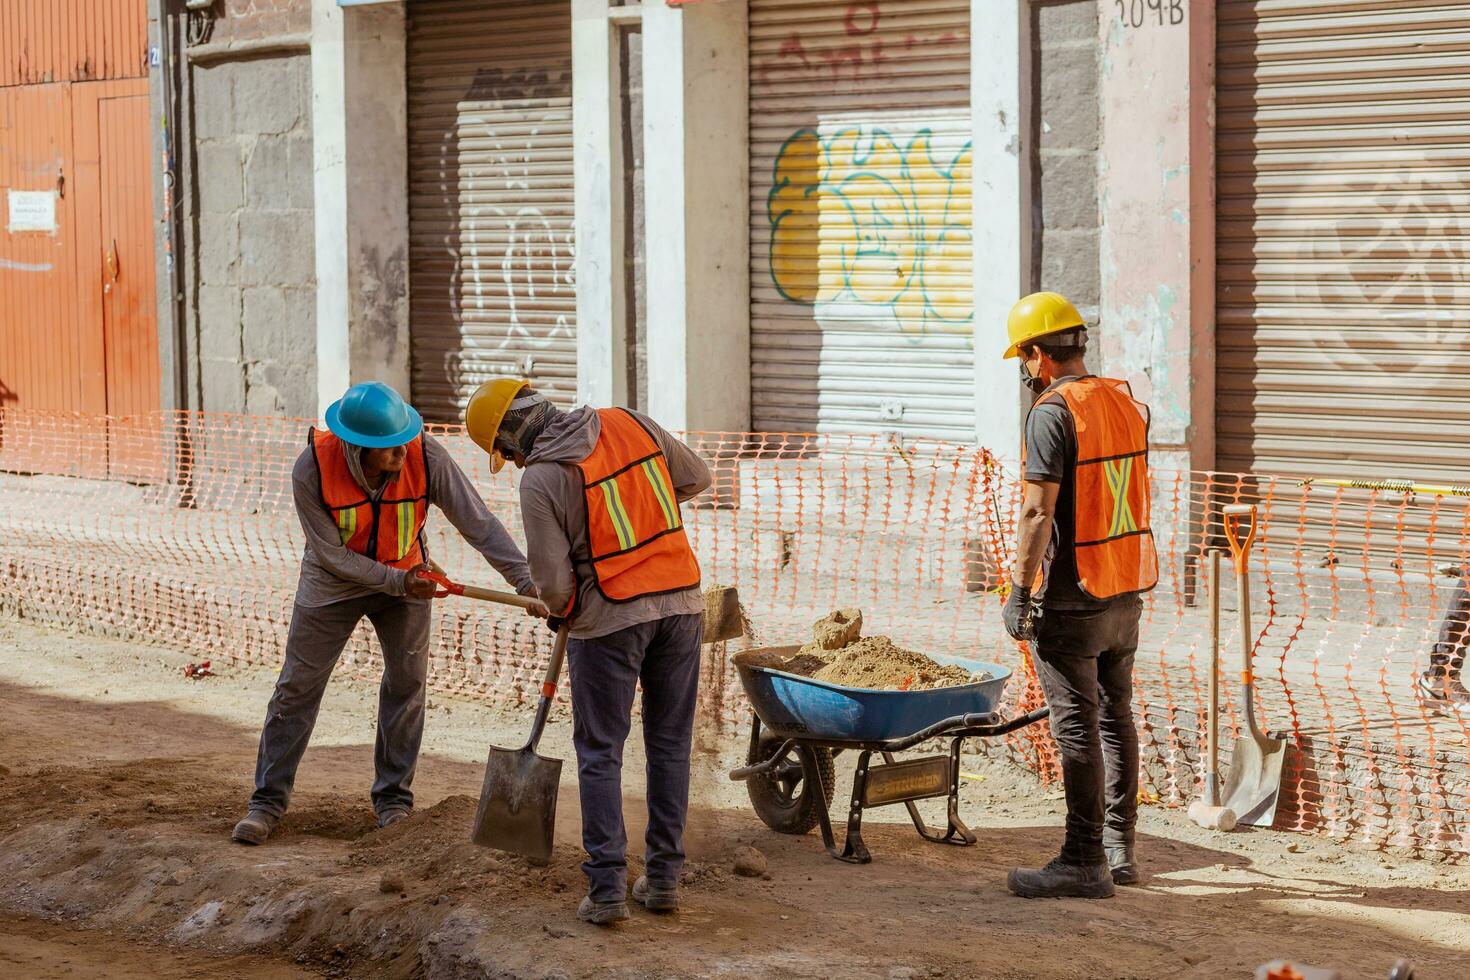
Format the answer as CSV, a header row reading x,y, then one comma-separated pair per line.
x,y
448,588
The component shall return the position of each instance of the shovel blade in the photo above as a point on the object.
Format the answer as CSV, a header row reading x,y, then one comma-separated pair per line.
x,y
1253,787
724,618
517,811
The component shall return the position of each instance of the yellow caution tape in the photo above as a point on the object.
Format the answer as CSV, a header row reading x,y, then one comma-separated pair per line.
x,y
1396,486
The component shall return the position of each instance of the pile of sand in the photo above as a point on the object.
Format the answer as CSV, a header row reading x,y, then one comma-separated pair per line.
x,y
840,654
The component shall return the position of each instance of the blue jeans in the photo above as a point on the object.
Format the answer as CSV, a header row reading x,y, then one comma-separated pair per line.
x,y
317,638
605,671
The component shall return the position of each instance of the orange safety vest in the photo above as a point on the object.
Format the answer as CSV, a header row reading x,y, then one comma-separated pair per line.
x,y
634,531
390,529
1114,540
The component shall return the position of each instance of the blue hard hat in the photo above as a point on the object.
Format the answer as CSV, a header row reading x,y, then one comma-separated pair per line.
x,y
374,416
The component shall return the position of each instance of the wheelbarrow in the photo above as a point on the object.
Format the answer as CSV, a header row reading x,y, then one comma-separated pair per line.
x,y
799,725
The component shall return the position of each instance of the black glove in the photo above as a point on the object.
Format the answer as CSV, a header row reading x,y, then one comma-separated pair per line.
x,y
1020,613
555,623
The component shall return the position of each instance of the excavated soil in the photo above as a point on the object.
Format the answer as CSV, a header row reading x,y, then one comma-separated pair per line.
x,y
839,654
120,780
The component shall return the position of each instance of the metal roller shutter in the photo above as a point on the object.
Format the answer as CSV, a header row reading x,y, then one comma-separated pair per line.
x,y
862,302
490,208
1343,229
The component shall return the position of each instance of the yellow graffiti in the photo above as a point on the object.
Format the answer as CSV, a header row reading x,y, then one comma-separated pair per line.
x,y
856,218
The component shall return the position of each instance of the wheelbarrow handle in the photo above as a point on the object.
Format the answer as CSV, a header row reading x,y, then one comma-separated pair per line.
x,y
978,725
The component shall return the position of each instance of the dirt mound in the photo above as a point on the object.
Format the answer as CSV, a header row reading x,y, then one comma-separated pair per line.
x,y
840,654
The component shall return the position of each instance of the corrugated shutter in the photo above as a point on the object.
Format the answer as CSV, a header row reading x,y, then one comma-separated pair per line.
x,y
862,302
1344,238
491,286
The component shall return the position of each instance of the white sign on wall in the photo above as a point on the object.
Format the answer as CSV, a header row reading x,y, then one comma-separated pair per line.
x,y
32,211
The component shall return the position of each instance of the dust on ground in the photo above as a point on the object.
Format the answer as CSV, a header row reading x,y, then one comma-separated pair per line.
x,y
838,653
120,781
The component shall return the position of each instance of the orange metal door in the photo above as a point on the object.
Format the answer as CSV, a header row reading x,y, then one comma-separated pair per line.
x,y
129,303
50,357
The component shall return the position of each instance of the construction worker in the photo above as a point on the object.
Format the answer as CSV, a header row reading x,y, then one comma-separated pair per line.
x,y
600,502
1085,553
362,491
1441,688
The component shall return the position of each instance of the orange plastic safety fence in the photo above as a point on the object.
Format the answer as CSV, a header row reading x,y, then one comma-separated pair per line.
x,y
180,530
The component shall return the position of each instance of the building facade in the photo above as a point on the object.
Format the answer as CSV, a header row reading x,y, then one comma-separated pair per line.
x,y
804,215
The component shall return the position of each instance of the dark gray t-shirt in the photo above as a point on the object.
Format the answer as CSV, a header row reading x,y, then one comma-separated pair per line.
x,y
1051,457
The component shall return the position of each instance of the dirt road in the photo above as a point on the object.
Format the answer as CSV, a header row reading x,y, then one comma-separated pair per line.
x,y
119,781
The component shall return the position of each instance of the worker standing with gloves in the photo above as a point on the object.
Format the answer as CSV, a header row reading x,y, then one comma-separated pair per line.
x,y
600,500
362,491
1084,554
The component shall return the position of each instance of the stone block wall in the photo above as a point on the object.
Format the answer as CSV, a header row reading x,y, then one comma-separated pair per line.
x,y
255,281
239,20
1065,67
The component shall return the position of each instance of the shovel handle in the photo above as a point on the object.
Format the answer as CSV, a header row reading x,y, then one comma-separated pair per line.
x,y
448,588
548,687
1240,547
1213,734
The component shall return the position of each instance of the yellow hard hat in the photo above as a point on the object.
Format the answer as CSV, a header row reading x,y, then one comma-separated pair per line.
x,y
486,410
1038,315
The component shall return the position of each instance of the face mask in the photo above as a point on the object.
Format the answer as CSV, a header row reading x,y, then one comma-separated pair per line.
x,y
1036,385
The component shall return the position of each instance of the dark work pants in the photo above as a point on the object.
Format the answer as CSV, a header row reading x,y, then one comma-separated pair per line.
x,y
317,638
1084,659
664,656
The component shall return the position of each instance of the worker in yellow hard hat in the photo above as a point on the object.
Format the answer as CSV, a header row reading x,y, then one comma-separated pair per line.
x,y
600,496
1084,555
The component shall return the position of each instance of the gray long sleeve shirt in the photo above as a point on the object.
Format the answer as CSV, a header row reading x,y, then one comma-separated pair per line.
x,y
554,511
331,573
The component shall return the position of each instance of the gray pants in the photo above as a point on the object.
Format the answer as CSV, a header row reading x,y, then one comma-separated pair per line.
x,y
1084,659
664,656
317,638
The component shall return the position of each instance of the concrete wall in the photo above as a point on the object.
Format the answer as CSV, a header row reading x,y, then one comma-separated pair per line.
x,y
359,97
249,268
1064,67
1157,203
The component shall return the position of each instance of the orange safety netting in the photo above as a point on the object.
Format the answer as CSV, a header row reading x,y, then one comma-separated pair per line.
x,y
179,530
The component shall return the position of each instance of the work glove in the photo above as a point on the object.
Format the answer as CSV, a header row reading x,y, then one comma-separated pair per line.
x,y
1021,613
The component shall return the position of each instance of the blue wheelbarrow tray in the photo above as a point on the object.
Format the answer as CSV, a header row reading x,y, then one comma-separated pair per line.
x,y
793,706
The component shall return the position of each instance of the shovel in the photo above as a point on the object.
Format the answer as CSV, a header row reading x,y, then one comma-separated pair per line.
x,y
1206,810
1254,785
517,811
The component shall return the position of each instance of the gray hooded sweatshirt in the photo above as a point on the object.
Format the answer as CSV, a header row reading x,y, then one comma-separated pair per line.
x,y
554,511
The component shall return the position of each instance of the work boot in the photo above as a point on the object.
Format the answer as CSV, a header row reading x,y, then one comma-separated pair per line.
x,y
1442,692
392,815
656,896
602,913
1061,879
255,828
1122,864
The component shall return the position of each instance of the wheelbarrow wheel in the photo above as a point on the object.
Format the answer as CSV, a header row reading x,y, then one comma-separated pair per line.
x,y
781,797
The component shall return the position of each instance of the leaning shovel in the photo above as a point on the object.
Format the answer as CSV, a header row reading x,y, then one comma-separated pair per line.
x,y
1254,785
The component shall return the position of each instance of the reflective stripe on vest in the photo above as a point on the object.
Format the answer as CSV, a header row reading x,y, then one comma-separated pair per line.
x,y
634,531
1113,538
389,530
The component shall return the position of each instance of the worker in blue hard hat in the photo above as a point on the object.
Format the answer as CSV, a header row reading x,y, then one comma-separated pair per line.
x,y
363,490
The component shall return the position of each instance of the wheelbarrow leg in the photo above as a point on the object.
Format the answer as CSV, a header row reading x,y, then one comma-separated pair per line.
x,y
853,850
957,834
